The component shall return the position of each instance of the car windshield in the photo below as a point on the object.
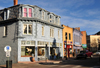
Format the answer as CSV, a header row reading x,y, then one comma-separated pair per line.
x,y
99,51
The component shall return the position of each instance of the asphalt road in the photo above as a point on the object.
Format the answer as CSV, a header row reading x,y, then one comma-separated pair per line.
x,y
70,63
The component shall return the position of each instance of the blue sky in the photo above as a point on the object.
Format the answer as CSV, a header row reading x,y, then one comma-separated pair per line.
x,y
74,13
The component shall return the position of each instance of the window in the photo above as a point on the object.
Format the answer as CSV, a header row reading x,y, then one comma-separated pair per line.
x,y
5,31
27,50
25,12
69,36
30,12
42,31
66,35
41,51
58,34
27,28
43,15
50,18
51,32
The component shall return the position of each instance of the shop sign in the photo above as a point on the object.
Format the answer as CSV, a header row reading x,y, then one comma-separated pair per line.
x,y
84,45
77,43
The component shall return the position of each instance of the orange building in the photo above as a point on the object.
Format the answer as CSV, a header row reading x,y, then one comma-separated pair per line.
x,y
84,43
67,41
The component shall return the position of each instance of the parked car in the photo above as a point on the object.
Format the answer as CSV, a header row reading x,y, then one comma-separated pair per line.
x,y
97,53
84,54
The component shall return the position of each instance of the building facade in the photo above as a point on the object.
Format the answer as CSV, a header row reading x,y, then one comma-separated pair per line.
x,y
94,43
28,29
77,41
84,40
67,41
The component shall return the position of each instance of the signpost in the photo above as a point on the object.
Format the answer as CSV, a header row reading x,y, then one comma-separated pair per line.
x,y
7,49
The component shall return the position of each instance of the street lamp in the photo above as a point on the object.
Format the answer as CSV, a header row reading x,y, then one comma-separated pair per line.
x,y
46,54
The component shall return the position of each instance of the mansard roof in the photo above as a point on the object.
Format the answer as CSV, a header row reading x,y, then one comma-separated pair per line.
x,y
20,5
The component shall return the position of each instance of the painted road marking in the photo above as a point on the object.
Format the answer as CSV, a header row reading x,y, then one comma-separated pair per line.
x,y
77,66
64,65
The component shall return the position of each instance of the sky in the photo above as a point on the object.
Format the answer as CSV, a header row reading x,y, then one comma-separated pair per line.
x,y
74,13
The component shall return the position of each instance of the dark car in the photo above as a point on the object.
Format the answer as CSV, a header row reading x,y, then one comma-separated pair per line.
x,y
84,54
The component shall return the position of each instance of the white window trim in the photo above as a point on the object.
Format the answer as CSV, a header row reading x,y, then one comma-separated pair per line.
x,y
27,12
42,30
4,31
58,33
52,32
27,29
43,13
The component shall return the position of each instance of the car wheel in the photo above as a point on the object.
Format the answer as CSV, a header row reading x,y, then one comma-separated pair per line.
x,y
91,56
77,57
86,57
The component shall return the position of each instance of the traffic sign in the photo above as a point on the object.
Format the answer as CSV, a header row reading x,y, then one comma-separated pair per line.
x,y
7,48
8,54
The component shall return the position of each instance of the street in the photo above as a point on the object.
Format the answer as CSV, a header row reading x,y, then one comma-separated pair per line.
x,y
70,63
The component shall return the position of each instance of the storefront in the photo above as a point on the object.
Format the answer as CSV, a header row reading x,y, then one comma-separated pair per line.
x,y
68,49
77,49
29,49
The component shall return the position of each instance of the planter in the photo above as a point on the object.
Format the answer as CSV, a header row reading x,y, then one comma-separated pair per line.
x,y
33,59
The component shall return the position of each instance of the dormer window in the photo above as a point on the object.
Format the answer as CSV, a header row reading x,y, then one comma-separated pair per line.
x,y
6,14
30,12
43,15
27,12
50,18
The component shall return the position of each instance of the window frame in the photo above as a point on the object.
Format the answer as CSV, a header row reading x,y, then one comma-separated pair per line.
x,y
42,30
27,32
58,33
52,32
69,36
27,12
5,30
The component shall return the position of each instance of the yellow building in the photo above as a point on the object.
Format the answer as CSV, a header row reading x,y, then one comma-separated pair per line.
x,y
94,42
67,36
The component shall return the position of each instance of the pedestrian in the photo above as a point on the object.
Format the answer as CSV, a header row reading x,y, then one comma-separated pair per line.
x,y
73,54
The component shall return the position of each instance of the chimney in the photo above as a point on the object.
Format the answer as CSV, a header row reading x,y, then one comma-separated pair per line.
x,y
15,2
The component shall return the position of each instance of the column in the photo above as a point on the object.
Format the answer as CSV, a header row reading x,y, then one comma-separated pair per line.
x,y
36,51
49,50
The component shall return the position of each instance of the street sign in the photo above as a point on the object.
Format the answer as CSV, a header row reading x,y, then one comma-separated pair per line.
x,y
7,48
8,54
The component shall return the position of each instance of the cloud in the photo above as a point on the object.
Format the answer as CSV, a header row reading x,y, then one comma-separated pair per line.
x,y
78,3
91,26
1,8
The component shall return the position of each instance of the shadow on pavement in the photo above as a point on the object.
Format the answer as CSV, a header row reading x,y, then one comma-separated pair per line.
x,y
89,62
2,67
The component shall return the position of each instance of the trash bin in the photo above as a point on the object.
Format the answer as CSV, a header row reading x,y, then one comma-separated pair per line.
x,y
8,63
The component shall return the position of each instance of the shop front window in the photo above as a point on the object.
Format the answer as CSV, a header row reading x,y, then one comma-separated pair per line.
x,y
41,51
70,50
27,50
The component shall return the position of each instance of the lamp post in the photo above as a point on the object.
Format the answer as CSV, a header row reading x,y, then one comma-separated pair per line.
x,y
46,54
